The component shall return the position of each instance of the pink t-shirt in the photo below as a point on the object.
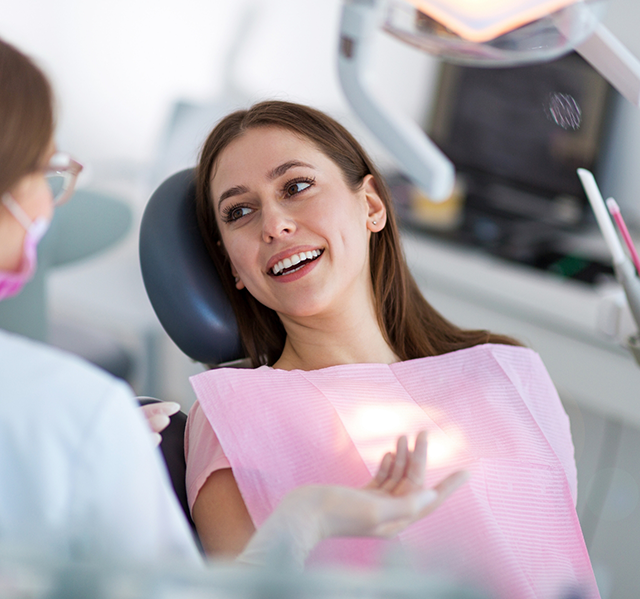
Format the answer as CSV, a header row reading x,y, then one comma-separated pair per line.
x,y
203,452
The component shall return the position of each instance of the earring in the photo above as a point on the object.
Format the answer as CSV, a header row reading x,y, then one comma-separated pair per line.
x,y
374,222
237,279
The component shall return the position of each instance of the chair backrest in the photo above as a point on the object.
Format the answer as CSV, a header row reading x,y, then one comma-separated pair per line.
x,y
180,278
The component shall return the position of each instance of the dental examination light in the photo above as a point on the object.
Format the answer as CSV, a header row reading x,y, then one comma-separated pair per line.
x,y
489,33
470,32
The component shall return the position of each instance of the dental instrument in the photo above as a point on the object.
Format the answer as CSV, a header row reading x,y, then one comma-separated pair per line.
x,y
623,267
614,211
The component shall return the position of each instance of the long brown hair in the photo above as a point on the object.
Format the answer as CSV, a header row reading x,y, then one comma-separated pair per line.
x,y
411,326
26,116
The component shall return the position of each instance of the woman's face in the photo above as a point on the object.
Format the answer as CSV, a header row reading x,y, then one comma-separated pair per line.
x,y
297,236
33,194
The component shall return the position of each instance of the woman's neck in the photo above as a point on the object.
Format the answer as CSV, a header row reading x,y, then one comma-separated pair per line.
x,y
346,336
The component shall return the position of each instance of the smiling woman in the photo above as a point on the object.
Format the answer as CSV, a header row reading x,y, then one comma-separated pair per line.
x,y
285,208
350,355
399,306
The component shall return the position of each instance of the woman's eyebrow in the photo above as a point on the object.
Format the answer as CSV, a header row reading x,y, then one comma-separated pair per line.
x,y
283,168
232,191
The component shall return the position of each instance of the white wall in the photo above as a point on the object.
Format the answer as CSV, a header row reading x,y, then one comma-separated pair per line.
x,y
118,65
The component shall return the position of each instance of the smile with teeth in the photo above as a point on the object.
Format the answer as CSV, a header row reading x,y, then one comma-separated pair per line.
x,y
295,262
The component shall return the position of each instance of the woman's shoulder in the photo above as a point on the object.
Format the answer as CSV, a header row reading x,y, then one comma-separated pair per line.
x,y
490,363
516,355
501,351
478,355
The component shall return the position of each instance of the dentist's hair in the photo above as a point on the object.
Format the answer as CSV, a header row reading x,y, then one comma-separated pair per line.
x,y
411,326
26,116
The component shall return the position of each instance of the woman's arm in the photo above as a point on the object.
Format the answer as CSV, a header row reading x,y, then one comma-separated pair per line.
x,y
221,517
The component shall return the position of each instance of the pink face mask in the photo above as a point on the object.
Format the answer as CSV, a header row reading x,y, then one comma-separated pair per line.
x,y
12,282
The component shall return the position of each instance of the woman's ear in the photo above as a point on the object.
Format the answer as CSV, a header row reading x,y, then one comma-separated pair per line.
x,y
239,283
376,210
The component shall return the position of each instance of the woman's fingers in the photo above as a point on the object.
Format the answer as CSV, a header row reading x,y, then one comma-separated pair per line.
x,y
418,460
398,512
157,415
383,472
168,408
408,472
395,512
158,422
444,489
403,471
374,511
399,467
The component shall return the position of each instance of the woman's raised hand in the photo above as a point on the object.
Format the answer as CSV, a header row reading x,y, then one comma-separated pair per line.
x,y
394,499
404,470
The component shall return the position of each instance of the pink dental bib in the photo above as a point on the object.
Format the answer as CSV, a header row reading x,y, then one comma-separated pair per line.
x,y
512,530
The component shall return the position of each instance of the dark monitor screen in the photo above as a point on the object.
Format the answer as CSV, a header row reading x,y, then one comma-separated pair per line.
x,y
530,127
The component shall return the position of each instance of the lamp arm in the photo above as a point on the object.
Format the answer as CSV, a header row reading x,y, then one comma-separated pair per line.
x,y
613,61
416,154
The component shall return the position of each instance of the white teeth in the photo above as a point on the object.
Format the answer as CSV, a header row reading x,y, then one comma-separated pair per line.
x,y
293,260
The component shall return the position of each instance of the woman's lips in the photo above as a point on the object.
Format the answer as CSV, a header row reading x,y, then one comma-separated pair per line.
x,y
295,262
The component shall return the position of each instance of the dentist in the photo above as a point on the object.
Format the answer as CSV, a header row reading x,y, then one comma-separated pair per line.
x,y
79,474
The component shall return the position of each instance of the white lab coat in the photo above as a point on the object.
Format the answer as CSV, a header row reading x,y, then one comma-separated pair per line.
x,y
79,475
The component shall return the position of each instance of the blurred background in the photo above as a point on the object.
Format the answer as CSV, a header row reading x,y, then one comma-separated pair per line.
x,y
140,83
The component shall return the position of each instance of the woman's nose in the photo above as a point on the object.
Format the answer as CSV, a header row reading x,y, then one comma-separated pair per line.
x,y
276,222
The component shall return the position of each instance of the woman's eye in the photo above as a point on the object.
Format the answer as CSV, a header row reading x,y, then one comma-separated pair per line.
x,y
236,212
296,187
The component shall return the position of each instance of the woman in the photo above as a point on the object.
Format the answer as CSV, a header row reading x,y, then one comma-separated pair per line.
x,y
80,477
300,226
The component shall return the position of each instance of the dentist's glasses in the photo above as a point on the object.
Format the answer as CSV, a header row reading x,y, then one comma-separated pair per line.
x,y
61,175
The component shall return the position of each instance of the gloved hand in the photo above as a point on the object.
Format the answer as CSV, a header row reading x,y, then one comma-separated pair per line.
x,y
394,499
157,415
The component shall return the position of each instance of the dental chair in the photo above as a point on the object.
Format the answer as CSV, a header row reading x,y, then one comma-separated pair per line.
x,y
180,278
185,291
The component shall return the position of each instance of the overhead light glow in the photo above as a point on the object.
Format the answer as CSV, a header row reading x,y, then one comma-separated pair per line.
x,y
374,428
493,32
484,20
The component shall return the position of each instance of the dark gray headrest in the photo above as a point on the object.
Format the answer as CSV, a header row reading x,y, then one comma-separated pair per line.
x,y
181,280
